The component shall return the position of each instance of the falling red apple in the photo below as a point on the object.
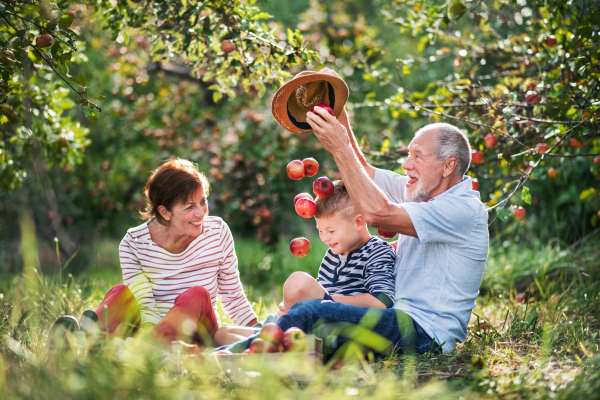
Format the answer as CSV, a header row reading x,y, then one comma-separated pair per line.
x,y
227,46
532,97
323,106
262,346
542,148
294,339
271,333
305,208
323,187
519,212
300,247
552,173
295,169
311,166
490,141
302,196
576,143
475,184
551,41
385,234
44,40
477,157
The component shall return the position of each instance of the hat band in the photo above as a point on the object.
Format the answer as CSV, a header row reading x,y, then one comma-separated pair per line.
x,y
306,125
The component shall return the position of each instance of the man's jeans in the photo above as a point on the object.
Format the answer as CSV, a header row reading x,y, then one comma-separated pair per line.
x,y
382,331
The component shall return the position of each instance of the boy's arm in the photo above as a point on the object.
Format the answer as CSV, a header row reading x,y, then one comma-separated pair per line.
x,y
360,300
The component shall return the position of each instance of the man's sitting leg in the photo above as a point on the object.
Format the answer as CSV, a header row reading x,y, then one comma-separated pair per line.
x,y
300,286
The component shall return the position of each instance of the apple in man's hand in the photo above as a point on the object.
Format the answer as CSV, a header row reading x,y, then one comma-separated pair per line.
x,y
300,247
323,187
306,208
271,333
311,166
323,106
302,196
385,234
294,339
261,346
295,169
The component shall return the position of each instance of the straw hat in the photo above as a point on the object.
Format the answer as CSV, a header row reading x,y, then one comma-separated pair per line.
x,y
297,97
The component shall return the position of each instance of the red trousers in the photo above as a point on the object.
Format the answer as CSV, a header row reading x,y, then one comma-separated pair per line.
x,y
192,318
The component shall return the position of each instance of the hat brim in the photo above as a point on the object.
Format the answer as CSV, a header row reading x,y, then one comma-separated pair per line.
x,y
338,96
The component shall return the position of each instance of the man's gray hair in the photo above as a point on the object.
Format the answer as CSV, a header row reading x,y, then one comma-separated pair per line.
x,y
450,142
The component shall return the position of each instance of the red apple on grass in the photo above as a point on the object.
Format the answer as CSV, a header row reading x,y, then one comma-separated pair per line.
x,y
490,141
385,234
271,333
300,247
542,148
477,157
519,212
323,106
306,208
475,184
302,196
44,40
311,166
295,169
262,346
323,187
294,339
227,46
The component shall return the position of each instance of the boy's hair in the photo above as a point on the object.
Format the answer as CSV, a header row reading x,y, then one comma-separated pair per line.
x,y
339,201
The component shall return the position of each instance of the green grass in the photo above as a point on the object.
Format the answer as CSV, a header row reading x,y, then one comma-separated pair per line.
x,y
534,334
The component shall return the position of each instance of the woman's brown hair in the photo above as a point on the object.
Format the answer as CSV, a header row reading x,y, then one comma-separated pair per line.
x,y
172,183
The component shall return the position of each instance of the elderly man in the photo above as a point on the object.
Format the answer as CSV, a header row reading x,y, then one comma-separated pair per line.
x,y
443,242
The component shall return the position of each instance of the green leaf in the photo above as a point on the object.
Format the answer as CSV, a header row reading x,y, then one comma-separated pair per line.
x,y
74,79
56,51
586,194
525,195
2,7
217,96
65,21
100,97
82,80
261,15
503,213
456,10
66,57
385,146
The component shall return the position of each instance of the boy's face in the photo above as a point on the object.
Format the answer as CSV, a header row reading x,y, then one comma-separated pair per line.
x,y
342,235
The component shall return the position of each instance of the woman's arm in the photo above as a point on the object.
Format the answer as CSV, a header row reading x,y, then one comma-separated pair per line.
x,y
229,287
137,281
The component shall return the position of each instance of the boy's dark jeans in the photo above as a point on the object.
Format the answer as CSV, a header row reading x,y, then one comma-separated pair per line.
x,y
382,331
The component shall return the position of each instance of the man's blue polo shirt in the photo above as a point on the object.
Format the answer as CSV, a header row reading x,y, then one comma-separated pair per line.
x,y
438,274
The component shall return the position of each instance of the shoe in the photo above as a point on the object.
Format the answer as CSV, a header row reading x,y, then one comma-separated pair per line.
x,y
57,337
90,323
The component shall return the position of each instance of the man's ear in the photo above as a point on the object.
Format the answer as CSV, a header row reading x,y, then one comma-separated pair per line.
x,y
164,212
449,166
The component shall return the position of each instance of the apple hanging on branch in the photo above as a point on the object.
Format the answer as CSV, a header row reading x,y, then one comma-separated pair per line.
x,y
227,46
475,184
542,148
477,157
44,40
300,247
519,212
490,141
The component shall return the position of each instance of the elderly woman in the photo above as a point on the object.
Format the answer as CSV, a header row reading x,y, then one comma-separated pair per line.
x,y
174,266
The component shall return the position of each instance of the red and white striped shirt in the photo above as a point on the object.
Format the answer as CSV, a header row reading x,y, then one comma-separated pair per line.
x,y
156,277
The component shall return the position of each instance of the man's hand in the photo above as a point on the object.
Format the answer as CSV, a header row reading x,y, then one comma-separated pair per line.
x,y
329,130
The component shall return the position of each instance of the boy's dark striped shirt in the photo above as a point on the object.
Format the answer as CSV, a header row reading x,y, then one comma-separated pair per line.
x,y
368,269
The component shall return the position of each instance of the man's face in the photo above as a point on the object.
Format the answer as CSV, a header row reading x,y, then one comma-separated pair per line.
x,y
422,168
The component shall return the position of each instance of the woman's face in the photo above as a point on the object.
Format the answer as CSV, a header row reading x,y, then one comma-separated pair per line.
x,y
187,218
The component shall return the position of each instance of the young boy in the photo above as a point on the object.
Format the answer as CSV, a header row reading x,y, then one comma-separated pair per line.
x,y
357,269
